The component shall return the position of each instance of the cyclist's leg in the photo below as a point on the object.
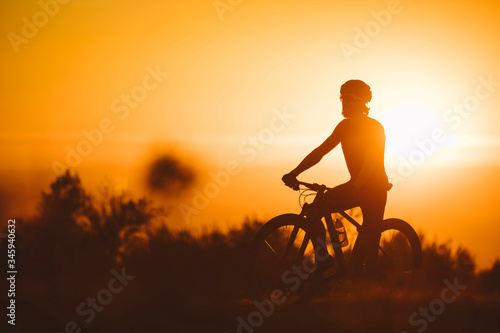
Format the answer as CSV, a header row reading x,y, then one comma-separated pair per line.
x,y
373,207
334,200
342,198
337,199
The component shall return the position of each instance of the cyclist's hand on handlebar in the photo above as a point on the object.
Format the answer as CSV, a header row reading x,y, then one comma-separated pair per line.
x,y
290,180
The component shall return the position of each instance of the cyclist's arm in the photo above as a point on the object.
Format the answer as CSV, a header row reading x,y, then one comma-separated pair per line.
x,y
317,154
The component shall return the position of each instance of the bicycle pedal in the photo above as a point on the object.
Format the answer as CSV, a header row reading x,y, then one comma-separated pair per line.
x,y
334,276
328,262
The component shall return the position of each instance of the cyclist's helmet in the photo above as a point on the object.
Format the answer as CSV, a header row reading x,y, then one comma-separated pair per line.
x,y
357,89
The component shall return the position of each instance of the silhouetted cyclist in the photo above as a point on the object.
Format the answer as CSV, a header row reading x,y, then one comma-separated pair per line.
x,y
363,144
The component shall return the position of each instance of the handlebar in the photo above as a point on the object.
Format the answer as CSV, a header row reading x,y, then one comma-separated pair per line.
x,y
320,187
312,186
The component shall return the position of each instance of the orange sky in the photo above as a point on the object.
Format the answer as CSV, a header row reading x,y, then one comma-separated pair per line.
x,y
202,83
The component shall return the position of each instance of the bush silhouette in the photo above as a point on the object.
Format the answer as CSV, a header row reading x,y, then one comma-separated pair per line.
x,y
489,280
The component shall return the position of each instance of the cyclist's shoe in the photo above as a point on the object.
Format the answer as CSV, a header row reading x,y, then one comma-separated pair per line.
x,y
327,263
327,269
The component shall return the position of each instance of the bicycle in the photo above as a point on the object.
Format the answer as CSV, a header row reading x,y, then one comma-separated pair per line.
x,y
288,259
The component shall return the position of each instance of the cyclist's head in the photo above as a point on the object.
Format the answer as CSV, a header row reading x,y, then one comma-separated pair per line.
x,y
355,94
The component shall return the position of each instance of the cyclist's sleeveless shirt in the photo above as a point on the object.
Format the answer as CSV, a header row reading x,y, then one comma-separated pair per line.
x,y
363,138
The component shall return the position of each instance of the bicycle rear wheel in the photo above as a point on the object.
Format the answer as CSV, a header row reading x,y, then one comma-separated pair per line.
x,y
400,252
283,263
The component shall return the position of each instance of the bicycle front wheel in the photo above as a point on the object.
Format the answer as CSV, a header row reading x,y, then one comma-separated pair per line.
x,y
400,252
283,264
